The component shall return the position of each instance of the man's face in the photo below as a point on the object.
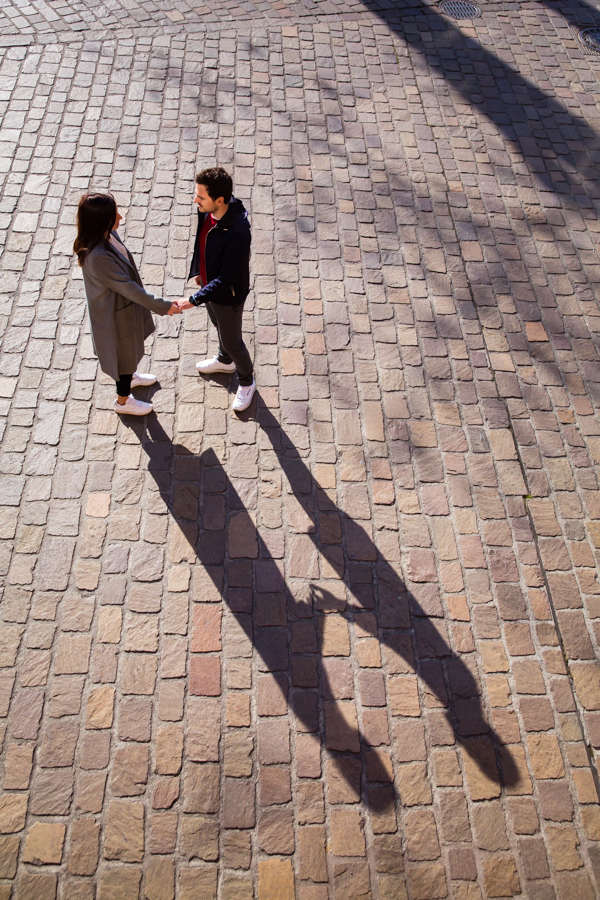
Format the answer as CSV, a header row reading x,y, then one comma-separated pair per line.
x,y
205,203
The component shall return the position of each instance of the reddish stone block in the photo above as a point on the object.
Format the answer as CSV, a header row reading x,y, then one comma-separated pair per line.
x,y
18,766
159,879
135,719
36,887
83,851
556,801
51,793
310,803
409,741
95,750
455,819
338,681
375,728
166,792
462,864
90,791
537,714
343,779
29,703
272,695
506,725
9,851
203,731
389,857
163,832
518,639
379,766
308,756
382,798
206,633
270,609
274,785
201,788
305,672
533,858
237,849
273,742
238,803
276,832
205,676
352,879
170,700
306,710
372,689
304,637
129,774
341,726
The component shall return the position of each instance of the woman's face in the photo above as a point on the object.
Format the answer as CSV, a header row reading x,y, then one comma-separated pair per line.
x,y
118,219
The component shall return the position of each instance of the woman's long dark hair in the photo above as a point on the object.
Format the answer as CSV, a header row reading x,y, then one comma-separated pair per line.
x,y
96,217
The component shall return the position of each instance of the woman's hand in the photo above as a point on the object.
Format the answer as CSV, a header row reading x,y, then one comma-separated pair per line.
x,y
174,310
184,303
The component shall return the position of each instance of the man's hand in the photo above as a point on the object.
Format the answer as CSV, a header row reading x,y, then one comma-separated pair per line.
x,y
198,280
183,303
174,310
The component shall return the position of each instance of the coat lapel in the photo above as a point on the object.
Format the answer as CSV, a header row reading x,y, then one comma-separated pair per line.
x,y
128,259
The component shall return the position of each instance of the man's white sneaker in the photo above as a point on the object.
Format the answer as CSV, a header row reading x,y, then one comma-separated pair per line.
x,y
133,407
143,379
244,396
208,366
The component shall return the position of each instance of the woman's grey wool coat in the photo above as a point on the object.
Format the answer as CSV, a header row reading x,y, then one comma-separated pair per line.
x,y
119,307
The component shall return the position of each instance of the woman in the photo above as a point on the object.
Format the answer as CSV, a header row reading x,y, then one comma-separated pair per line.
x,y
119,307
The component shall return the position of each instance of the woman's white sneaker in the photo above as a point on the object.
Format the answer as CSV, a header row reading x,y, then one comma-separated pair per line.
x,y
208,366
143,379
133,407
244,396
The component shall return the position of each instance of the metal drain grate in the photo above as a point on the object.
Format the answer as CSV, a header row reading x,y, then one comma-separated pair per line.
x,y
460,9
589,39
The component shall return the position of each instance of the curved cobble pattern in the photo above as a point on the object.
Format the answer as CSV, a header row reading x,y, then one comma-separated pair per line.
x,y
346,645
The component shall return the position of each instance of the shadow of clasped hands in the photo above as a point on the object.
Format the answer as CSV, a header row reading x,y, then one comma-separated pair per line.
x,y
310,618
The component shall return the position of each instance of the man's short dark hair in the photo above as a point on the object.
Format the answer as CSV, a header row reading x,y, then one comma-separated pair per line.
x,y
217,182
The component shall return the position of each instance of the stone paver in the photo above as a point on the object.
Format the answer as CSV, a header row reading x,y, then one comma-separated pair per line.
x,y
347,645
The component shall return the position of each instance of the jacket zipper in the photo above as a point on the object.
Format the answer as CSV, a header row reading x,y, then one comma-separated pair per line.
x,y
205,243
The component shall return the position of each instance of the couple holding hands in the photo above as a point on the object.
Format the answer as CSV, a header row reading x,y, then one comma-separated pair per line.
x,y
120,309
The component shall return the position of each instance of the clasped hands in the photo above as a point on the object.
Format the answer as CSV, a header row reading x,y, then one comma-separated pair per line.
x,y
178,306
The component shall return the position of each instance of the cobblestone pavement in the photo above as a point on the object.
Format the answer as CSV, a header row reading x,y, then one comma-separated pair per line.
x,y
345,646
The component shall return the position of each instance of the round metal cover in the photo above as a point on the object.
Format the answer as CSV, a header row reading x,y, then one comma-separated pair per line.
x,y
590,37
460,9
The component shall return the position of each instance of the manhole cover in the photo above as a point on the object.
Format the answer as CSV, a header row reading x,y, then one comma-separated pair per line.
x,y
460,9
590,38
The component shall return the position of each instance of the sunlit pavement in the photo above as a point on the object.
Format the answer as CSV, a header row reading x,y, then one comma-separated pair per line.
x,y
346,645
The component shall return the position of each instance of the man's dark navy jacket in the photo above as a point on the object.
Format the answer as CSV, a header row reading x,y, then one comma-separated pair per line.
x,y
227,258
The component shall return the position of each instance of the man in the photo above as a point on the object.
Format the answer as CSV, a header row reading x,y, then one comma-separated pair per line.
x,y
221,266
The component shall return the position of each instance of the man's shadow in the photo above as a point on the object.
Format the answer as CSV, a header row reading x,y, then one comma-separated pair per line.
x,y
204,504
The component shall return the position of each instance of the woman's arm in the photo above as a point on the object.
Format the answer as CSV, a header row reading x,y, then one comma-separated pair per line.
x,y
106,269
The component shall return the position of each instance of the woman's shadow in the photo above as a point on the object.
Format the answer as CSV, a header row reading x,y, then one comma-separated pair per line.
x,y
278,618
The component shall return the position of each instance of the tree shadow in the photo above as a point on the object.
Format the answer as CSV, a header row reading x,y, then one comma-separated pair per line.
x,y
535,122
295,626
